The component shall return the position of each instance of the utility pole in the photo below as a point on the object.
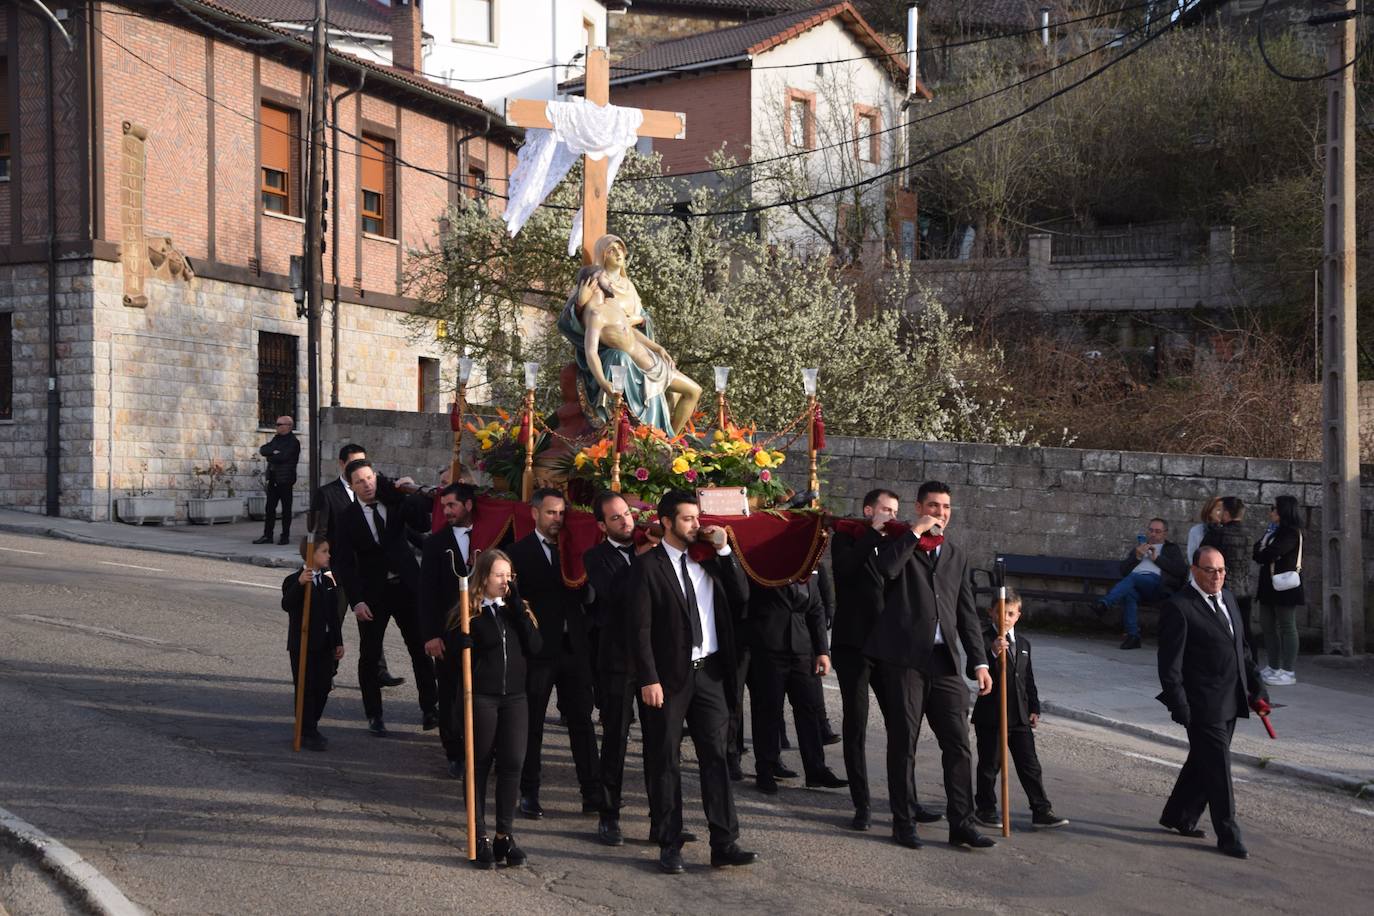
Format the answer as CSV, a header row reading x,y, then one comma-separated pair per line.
x,y
1343,622
316,213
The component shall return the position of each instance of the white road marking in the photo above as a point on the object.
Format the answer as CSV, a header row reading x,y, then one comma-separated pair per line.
x,y
1365,811
32,553
1166,763
253,584
98,631
130,566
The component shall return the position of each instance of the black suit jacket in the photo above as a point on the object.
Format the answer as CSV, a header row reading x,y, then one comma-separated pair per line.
x,y
660,634
441,565
859,586
1204,670
325,632
789,620
1023,699
922,590
1171,563
283,453
330,502
609,576
553,603
360,563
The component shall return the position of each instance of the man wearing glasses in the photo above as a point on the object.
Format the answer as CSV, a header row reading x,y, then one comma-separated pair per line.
x,y
283,453
1153,569
1208,681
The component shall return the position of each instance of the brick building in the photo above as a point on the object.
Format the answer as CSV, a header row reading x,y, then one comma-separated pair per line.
x,y
150,200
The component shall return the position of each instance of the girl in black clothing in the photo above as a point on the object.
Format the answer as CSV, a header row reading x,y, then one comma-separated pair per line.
x,y
503,634
1280,550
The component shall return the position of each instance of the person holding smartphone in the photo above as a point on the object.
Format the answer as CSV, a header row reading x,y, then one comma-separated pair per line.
x,y
1152,570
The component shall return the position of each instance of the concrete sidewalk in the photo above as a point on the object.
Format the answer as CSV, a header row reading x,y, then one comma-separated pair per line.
x,y
233,542
1325,726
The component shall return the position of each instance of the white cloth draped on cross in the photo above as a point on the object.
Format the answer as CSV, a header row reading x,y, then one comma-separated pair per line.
x,y
580,128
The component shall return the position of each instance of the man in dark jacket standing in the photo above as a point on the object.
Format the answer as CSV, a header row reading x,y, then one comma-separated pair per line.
x,y
283,452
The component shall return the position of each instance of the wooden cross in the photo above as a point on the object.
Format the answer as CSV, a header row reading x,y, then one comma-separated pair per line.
x,y
670,125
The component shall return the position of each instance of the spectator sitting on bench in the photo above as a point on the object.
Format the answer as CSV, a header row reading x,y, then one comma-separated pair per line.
x,y
1153,569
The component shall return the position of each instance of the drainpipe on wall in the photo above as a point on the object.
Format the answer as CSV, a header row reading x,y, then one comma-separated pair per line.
x,y
53,449
338,209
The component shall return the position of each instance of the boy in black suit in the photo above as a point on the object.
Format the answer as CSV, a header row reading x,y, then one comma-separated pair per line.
x,y
325,644
1023,714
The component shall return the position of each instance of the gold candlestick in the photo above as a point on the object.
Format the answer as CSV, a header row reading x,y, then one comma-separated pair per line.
x,y
615,442
814,482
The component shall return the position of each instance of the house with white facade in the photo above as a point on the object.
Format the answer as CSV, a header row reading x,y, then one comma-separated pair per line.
x,y
815,99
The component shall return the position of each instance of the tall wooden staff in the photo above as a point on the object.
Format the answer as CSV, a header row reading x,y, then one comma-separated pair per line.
x,y
305,638
469,781
1002,710
527,479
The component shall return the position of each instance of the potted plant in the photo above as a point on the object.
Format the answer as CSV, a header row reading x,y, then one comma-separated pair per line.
x,y
208,508
139,506
257,502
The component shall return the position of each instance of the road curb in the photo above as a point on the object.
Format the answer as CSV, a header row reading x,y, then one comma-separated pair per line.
x,y
60,535
70,868
1328,778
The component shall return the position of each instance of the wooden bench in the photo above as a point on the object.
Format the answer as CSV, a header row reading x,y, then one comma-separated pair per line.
x,y
1094,577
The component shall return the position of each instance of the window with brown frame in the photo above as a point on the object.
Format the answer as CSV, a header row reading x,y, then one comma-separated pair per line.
x,y
378,179
6,366
278,129
801,119
277,383
4,119
867,146
477,182
427,387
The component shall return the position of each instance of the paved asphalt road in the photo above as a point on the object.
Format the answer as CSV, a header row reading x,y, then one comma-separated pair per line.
x,y
145,722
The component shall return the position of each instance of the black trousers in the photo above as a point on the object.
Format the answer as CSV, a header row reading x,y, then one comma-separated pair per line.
x,y
278,493
1021,748
702,705
734,736
398,605
319,680
571,674
1205,782
773,675
448,675
856,673
618,698
499,732
940,696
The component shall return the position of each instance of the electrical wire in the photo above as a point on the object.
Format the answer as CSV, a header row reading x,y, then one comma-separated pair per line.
x,y
1360,51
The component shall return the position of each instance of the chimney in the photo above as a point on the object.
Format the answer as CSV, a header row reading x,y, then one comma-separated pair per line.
x,y
406,35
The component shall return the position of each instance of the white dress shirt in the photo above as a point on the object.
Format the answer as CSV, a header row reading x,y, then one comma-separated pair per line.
x,y
370,513
463,538
1230,624
706,596
352,497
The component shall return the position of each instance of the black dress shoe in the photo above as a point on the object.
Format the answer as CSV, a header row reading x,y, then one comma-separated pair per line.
x,y
670,861
1047,818
732,855
926,816
591,806
387,679
377,727
608,832
265,539
736,773
1235,850
782,772
1131,642
456,769
1100,608
863,819
989,818
284,540
530,807
905,835
826,779
505,850
766,784
686,837
971,838
1192,833
486,859
831,738
430,721
314,741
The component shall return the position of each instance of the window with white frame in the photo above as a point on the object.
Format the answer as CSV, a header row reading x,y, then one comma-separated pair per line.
x,y
474,20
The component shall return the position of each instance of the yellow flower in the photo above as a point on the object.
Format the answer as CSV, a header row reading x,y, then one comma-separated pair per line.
x,y
486,444
680,465
761,458
719,436
778,458
580,460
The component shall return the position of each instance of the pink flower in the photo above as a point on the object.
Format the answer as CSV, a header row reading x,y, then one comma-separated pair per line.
x,y
765,475
481,465
691,475
641,474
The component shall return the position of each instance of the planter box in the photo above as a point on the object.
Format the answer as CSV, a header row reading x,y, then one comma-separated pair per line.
x,y
211,511
257,507
140,510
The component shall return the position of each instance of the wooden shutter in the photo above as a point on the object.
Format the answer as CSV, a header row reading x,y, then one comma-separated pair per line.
x,y
276,139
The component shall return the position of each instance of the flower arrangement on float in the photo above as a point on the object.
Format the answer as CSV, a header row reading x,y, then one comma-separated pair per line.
x,y
501,446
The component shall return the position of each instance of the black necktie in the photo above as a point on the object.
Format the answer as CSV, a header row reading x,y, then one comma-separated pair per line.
x,y
550,551
693,611
377,520
628,552
1221,615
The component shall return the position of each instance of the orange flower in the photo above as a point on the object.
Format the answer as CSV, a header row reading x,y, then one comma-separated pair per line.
x,y
600,450
471,428
503,415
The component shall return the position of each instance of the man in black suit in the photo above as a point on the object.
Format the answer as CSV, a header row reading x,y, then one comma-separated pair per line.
x,y
376,567
1208,680
790,648
283,453
928,602
447,556
859,588
683,646
608,571
331,501
563,661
